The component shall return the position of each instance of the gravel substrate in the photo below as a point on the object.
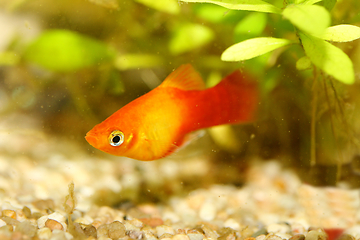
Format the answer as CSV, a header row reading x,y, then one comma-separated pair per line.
x,y
47,193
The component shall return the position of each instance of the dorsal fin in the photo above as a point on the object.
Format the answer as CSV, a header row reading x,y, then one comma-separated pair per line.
x,y
184,77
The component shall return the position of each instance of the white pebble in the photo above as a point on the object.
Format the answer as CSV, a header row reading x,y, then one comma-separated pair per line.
x,y
149,236
273,237
180,237
130,227
41,221
354,231
195,236
2,223
277,228
231,223
207,211
261,237
44,233
160,230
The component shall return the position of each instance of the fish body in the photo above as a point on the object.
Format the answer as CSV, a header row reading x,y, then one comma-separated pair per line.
x,y
157,123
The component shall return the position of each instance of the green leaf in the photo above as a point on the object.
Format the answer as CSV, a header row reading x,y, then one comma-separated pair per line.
x,y
341,33
112,4
9,58
216,14
303,63
328,58
311,2
64,51
311,19
189,37
252,48
329,4
168,6
253,24
131,61
249,5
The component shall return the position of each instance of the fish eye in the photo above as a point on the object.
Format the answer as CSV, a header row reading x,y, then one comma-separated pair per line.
x,y
116,138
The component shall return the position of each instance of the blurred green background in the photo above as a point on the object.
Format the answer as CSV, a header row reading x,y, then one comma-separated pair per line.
x,y
71,64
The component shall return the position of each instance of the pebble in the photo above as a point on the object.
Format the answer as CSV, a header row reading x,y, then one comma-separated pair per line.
x,y
209,233
26,228
53,224
207,211
135,234
2,223
162,229
10,221
229,235
152,222
58,218
180,237
27,212
346,237
278,228
129,226
166,235
149,236
232,223
261,237
298,237
136,222
89,230
9,213
116,230
315,235
61,235
44,233
195,235
102,231
297,228
273,237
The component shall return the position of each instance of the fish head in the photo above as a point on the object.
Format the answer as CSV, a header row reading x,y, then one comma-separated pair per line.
x,y
110,139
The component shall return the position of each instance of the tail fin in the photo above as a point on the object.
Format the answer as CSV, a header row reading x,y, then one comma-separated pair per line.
x,y
239,96
234,100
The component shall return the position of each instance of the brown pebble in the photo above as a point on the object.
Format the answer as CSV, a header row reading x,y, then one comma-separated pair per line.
x,y
89,230
27,212
36,215
209,233
53,224
228,234
9,213
44,204
116,230
79,231
152,222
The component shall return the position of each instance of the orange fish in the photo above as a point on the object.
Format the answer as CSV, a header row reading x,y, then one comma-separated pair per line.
x,y
157,123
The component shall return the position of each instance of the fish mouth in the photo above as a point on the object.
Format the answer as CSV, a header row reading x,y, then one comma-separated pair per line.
x,y
91,139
